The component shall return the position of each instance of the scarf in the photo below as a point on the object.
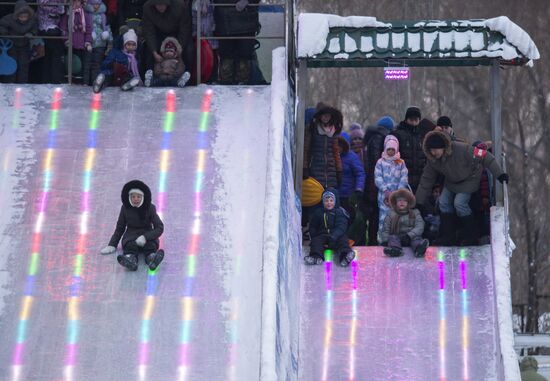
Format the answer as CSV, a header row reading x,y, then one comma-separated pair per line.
x,y
392,158
326,131
133,63
79,21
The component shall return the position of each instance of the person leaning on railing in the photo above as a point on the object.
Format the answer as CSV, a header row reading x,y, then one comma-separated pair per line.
x,y
21,23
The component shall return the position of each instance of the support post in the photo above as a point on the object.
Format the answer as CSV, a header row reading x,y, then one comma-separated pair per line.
x,y
198,41
496,126
70,47
301,99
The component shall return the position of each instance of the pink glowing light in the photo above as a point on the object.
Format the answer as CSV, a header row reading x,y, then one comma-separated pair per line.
x,y
396,73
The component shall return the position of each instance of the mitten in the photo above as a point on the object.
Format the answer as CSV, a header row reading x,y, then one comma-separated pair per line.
x,y
241,5
88,46
108,250
141,241
503,178
105,35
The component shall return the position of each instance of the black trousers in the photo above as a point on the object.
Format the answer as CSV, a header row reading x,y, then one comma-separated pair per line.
x,y
52,65
133,248
318,243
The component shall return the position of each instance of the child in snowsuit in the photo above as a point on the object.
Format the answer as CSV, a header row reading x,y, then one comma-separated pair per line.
x,y
101,39
327,227
120,67
170,71
139,226
390,174
22,22
403,226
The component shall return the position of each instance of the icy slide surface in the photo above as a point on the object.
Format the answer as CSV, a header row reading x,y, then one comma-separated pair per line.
x,y
68,313
400,318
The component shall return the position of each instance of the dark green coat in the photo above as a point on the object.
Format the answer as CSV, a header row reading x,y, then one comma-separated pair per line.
x,y
460,166
174,22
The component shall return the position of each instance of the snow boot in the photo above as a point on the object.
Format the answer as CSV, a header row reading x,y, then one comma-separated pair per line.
x,y
98,83
129,261
393,251
313,259
470,231
153,259
420,249
184,79
148,78
447,231
130,84
346,258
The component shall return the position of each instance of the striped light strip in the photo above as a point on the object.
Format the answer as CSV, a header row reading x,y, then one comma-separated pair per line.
x,y
187,299
73,307
442,319
152,280
328,313
353,328
17,362
465,316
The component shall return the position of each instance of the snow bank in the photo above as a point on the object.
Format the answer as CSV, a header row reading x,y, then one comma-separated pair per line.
x,y
282,241
501,263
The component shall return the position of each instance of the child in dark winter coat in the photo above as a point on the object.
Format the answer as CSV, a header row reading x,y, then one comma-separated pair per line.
x,y
327,227
139,226
120,67
22,22
403,226
102,38
170,69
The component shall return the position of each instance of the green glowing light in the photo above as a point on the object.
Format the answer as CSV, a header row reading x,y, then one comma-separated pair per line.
x,y
94,120
191,265
463,254
168,122
33,266
204,122
440,256
53,120
78,265
328,255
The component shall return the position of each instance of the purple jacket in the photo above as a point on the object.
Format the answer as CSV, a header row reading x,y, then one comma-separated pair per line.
x,y
81,33
49,14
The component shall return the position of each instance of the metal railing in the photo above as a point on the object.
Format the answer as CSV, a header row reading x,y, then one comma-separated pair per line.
x,y
506,209
200,37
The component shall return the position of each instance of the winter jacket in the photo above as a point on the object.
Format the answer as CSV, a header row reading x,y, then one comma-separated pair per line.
x,y
461,165
333,223
374,146
134,222
169,68
227,17
528,368
410,146
101,31
175,22
408,222
321,152
49,14
129,9
116,66
389,175
82,34
9,25
353,174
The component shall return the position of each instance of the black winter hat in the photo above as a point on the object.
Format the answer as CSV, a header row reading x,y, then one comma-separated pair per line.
x,y
412,112
444,121
434,141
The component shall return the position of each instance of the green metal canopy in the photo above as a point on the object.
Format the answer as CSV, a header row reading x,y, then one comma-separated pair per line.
x,y
420,43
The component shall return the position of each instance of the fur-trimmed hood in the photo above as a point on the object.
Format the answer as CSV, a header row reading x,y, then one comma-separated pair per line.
x,y
446,138
21,6
402,193
175,42
136,184
335,117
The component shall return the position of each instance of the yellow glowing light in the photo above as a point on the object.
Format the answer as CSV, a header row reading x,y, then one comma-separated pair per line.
x,y
164,159
27,302
48,159
90,154
73,308
187,302
149,305
201,160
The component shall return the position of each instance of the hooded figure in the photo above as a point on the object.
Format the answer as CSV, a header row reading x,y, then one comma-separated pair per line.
x,y
461,165
139,226
327,227
403,226
390,174
170,69
529,367
356,135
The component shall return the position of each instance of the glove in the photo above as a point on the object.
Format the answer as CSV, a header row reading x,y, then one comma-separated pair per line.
x,y
108,250
305,173
141,241
405,240
356,198
241,5
29,35
503,178
88,46
105,35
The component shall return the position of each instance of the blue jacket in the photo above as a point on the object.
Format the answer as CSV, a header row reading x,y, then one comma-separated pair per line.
x,y
353,173
114,56
333,223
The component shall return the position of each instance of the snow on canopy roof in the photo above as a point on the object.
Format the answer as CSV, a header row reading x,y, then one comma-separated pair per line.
x,y
457,42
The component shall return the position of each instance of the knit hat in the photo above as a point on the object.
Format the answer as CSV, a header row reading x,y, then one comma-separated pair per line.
x,y
130,36
444,121
434,141
328,194
386,121
412,112
356,131
391,142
